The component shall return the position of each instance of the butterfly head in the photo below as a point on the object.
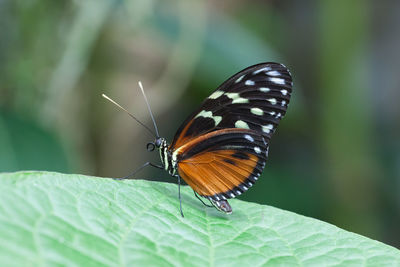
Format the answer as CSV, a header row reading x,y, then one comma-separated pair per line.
x,y
158,143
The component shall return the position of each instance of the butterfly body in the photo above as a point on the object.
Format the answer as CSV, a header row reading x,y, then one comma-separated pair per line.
x,y
221,149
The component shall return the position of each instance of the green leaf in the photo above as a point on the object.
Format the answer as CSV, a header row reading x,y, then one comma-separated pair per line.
x,y
57,219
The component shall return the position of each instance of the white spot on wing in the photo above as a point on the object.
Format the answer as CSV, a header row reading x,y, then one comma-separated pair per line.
x,y
277,80
204,113
209,114
283,103
238,192
284,92
272,113
249,82
267,128
241,124
264,89
257,150
232,194
272,101
244,187
257,111
232,95
236,99
239,79
261,70
264,142
248,137
216,94
273,73
240,100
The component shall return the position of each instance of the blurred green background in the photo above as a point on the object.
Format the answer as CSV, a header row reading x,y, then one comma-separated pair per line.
x,y
335,156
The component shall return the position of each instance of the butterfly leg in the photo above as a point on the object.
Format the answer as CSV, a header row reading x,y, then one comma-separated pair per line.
x,y
210,206
179,192
139,169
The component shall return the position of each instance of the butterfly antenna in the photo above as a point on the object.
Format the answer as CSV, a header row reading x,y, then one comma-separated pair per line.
x,y
148,107
133,117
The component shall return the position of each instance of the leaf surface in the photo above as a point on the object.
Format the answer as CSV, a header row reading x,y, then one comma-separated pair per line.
x,y
58,219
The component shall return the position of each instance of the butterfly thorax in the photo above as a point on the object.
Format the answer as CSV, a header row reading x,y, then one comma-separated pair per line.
x,y
169,164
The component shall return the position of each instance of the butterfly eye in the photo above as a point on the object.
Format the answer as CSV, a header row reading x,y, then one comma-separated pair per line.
x,y
158,142
150,146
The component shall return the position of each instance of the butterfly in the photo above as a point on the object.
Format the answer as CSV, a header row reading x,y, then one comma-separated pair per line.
x,y
221,149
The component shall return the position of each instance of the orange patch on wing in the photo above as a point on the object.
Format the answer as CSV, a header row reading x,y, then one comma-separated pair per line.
x,y
183,139
215,172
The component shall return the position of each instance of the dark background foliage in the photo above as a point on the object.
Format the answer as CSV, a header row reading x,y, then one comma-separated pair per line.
x,y
335,156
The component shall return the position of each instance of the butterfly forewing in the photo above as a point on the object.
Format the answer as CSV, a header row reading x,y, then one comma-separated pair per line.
x,y
255,98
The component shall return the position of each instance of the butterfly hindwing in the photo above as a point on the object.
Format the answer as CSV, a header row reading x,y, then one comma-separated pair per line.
x,y
256,98
224,163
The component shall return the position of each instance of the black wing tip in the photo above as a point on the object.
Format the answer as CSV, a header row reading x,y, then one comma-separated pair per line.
x,y
283,71
271,64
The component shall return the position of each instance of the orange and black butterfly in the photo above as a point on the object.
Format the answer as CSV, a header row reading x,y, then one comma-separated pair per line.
x,y
220,150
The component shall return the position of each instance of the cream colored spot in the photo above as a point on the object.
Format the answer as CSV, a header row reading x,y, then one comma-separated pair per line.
x,y
232,95
209,114
264,89
248,137
257,150
267,128
284,92
273,73
257,111
236,99
239,79
277,80
217,119
272,101
216,94
249,82
241,124
262,69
